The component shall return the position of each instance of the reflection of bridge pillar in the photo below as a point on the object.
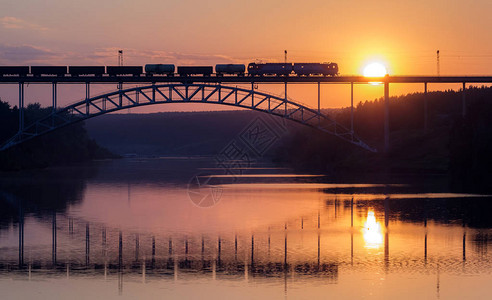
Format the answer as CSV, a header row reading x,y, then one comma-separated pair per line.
x,y
319,248
87,244
219,250
386,211
425,226
21,235
335,206
252,252
70,226
464,246
153,251
352,212
386,232
425,247
235,246
352,231
285,252
137,246
120,252
53,241
103,239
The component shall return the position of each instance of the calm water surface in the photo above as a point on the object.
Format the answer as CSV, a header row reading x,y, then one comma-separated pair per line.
x,y
181,228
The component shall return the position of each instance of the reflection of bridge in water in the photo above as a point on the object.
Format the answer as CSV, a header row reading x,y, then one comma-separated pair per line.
x,y
79,247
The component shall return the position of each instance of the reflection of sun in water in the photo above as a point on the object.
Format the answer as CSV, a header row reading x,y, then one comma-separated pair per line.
x,y
372,231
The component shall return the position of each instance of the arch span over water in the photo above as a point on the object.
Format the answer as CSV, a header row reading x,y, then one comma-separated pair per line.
x,y
184,93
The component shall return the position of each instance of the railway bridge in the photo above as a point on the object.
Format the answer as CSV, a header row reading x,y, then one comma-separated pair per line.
x,y
212,89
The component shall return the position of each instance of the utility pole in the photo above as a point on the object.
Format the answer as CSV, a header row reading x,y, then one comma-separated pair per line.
x,y
438,65
120,57
285,56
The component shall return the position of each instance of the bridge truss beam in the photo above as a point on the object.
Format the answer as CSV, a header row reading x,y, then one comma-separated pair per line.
x,y
184,93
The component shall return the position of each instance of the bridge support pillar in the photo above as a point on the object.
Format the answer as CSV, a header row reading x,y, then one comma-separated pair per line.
x,y
352,107
153,91
21,106
285,107
54,100
319,102
87,96
386,117
120,87
464,99
252,94
54,94
426,113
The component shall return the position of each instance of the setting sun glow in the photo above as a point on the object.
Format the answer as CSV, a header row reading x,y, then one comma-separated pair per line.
x,y
374,69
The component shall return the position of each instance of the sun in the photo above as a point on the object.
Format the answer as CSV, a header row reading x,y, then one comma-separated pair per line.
x,y
374,69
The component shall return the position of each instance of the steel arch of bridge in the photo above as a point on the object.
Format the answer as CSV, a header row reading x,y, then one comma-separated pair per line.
x,y
184,93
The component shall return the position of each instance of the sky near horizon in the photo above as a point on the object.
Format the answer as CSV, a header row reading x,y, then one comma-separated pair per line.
x,y
404,35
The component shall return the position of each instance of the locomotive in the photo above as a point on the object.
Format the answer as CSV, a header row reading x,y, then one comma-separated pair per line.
x,y
254,69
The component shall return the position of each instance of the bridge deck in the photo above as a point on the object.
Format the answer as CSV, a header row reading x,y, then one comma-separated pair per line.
x,y
245,79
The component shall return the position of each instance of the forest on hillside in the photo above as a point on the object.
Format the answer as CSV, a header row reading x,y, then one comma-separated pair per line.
x,y
67,145
455,146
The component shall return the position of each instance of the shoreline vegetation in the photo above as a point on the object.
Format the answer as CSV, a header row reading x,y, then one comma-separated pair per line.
x,y
454,146
65,146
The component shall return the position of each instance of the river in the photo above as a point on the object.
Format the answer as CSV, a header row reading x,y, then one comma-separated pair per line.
x,y
191,228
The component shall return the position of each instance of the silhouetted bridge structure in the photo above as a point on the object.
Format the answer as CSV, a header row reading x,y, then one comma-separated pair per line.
x,y
214,90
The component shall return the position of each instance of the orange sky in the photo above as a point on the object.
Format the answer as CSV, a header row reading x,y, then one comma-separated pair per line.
x,y
403,34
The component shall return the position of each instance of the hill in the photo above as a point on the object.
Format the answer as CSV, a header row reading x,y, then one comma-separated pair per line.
x,y
453,146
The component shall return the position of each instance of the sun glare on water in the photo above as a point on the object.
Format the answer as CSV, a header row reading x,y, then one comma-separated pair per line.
x,y
372,231
374,69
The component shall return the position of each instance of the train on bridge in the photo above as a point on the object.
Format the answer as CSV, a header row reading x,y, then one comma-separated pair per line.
x,y
253,69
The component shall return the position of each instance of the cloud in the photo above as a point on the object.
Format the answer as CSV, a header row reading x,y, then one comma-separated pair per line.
x,y
134,56
16,23
31,54
24,54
